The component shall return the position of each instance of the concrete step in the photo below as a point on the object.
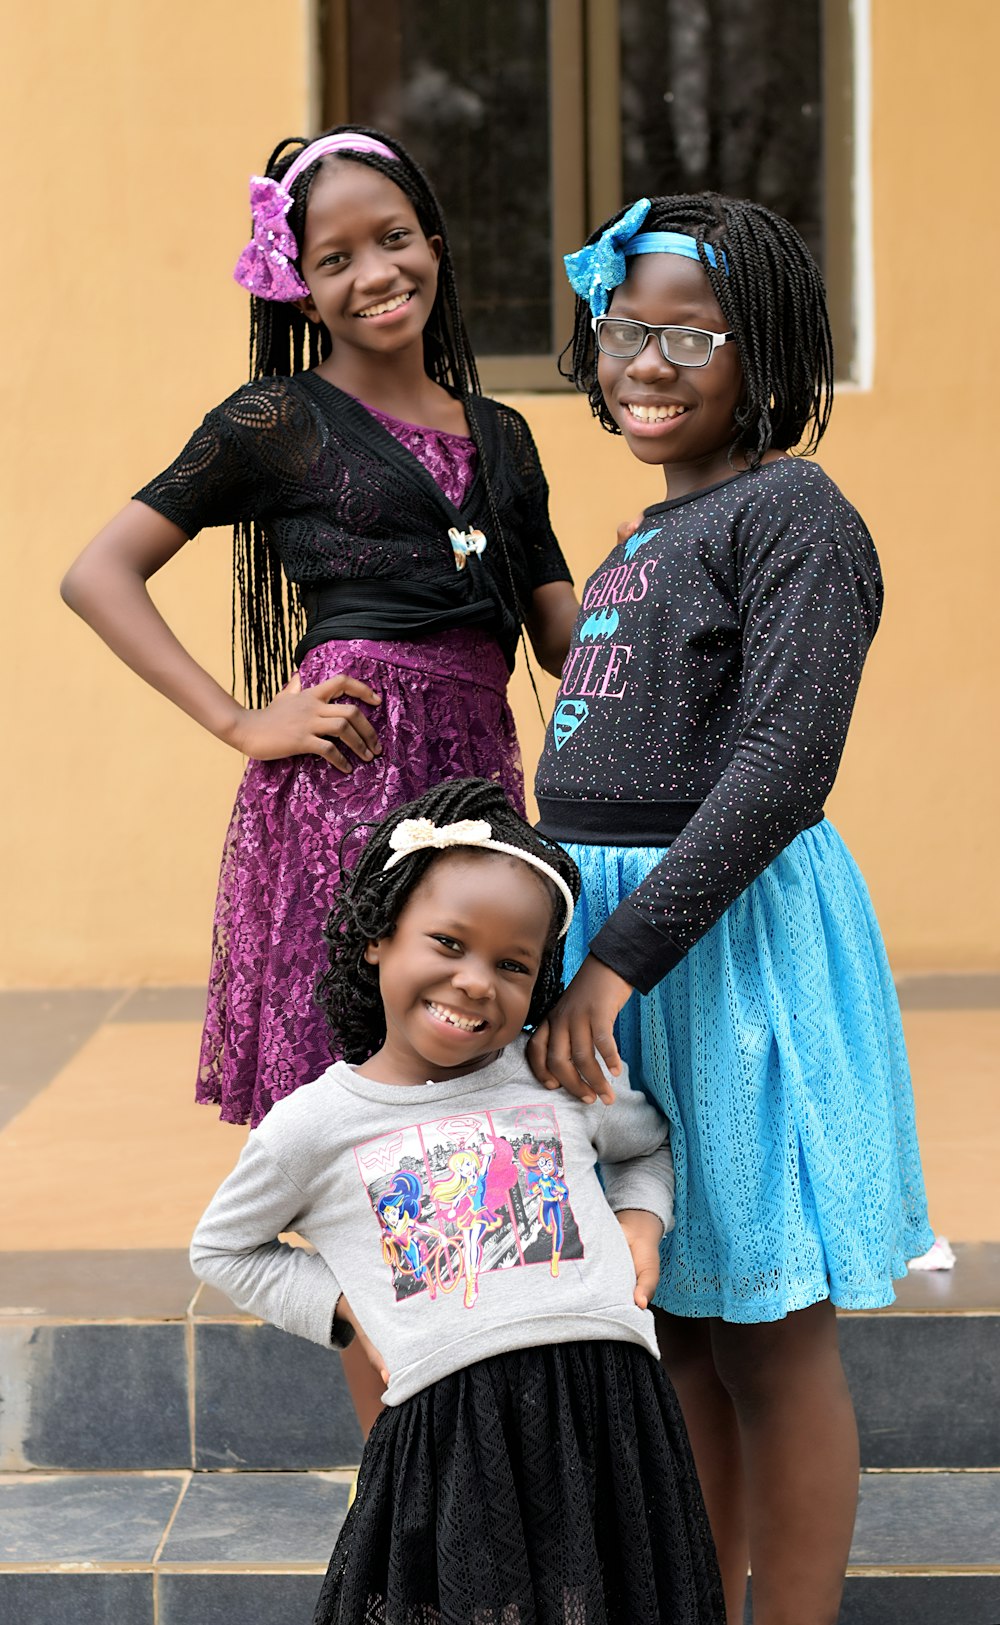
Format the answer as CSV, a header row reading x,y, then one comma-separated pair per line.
x,y
120,1361
210,1548
925,1373
174,1548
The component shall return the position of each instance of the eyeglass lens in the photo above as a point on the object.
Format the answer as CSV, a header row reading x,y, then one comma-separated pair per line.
x,y
684,346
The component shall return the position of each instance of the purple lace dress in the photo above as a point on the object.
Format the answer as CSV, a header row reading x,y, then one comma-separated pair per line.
x,y
443,715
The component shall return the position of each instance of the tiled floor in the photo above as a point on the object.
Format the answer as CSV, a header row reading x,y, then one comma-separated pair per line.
x,y
101,1146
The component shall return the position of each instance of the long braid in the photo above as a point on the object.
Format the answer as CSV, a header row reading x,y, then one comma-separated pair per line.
x,y
772,297
268,618
369,901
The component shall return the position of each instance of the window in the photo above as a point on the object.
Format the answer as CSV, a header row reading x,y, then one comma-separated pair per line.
x,y
535,121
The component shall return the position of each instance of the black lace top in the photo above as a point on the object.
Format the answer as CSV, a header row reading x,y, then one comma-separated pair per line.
x,y
339,498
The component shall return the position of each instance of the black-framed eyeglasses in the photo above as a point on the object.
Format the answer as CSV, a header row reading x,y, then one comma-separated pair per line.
x,y
681,346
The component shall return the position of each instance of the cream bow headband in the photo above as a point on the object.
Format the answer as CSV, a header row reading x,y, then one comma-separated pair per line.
x,y
423,835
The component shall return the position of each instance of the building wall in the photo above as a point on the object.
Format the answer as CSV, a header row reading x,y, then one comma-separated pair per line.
x,y
132,131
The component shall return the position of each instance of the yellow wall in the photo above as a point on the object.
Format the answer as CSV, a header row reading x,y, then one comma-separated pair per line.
x,y
132,143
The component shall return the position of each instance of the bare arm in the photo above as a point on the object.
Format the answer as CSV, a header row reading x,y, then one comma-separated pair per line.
x,y
106,587
549,623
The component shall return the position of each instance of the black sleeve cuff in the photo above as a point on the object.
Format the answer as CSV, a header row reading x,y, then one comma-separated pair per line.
x,y
634,949
341,1333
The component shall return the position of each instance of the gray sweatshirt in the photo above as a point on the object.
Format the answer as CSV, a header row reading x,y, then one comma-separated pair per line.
x,y
461,1219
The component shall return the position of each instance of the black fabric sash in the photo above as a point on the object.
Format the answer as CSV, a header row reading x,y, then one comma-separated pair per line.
x,y
622,823
613,823
389,610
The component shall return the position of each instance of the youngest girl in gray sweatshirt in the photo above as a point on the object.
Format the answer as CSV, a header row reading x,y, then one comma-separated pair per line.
x,y
461,1219
495,1244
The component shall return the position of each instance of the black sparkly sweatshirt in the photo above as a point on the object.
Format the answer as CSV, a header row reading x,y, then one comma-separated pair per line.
x,y
705,700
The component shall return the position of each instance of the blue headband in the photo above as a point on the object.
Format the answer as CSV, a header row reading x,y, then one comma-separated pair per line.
x,y
596,270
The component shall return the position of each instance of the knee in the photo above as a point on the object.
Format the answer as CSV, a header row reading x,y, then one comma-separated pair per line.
x,y
685,1349
745,1371
763,1365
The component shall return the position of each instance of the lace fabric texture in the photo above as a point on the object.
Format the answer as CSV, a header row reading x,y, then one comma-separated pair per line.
x,y
443,715
450,459
776,1050
343,494
553,1486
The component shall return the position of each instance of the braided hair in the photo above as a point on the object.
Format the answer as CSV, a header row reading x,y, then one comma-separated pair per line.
x,y
266,609
772,298
369,902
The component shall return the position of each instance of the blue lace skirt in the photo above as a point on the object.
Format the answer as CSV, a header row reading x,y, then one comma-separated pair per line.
x,y
775,1048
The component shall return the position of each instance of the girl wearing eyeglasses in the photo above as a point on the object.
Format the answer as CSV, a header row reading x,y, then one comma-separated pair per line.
x,y
725,945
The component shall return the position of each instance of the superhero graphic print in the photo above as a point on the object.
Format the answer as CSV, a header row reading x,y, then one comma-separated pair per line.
x,y
460,1196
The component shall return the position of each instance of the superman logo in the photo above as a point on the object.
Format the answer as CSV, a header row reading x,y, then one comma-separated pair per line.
x,y
566,719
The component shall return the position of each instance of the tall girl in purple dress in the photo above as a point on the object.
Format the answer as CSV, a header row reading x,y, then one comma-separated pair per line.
x,y
391,537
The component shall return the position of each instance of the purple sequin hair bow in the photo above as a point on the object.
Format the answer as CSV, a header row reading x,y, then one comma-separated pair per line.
x,y
265,266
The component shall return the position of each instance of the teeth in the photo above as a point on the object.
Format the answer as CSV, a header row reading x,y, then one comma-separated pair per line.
x,y
454,1020
390,304
655,414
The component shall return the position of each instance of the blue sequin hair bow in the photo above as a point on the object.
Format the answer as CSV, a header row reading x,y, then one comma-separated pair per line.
x,y
596,270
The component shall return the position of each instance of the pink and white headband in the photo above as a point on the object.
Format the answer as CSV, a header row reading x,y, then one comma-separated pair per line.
x,y
265,265
422,835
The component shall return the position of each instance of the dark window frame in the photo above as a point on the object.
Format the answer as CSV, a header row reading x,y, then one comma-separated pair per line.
x,y
585,158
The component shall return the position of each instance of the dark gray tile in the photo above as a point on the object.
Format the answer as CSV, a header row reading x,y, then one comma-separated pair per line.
x,y
926,1388
148,1284
41,1031
162,1004
85,1517
93,1397
967,1599
928,1521
265,1399
84,1599
266,1518
956,990
252,1599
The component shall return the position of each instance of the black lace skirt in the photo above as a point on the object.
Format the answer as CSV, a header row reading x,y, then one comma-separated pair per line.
x,y
549,1486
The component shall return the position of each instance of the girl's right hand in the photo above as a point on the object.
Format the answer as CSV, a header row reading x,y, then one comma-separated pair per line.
x,y
309,722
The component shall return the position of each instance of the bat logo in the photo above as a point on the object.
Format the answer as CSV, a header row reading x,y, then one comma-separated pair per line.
x,y
566,719
534,1119
640,539
602,625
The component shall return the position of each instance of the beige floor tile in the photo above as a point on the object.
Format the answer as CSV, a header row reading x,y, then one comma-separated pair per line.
x,y
114,1153
955,1059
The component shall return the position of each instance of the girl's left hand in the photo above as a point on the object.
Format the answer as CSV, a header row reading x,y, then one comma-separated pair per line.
x,y
561,1053
628,527
643,1232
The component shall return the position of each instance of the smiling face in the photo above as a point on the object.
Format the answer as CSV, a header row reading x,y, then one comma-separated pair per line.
x,y
371,273
457,974
680,417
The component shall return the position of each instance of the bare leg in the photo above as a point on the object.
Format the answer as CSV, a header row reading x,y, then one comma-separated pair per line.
x,y
365,1385
686,1349
800,1460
